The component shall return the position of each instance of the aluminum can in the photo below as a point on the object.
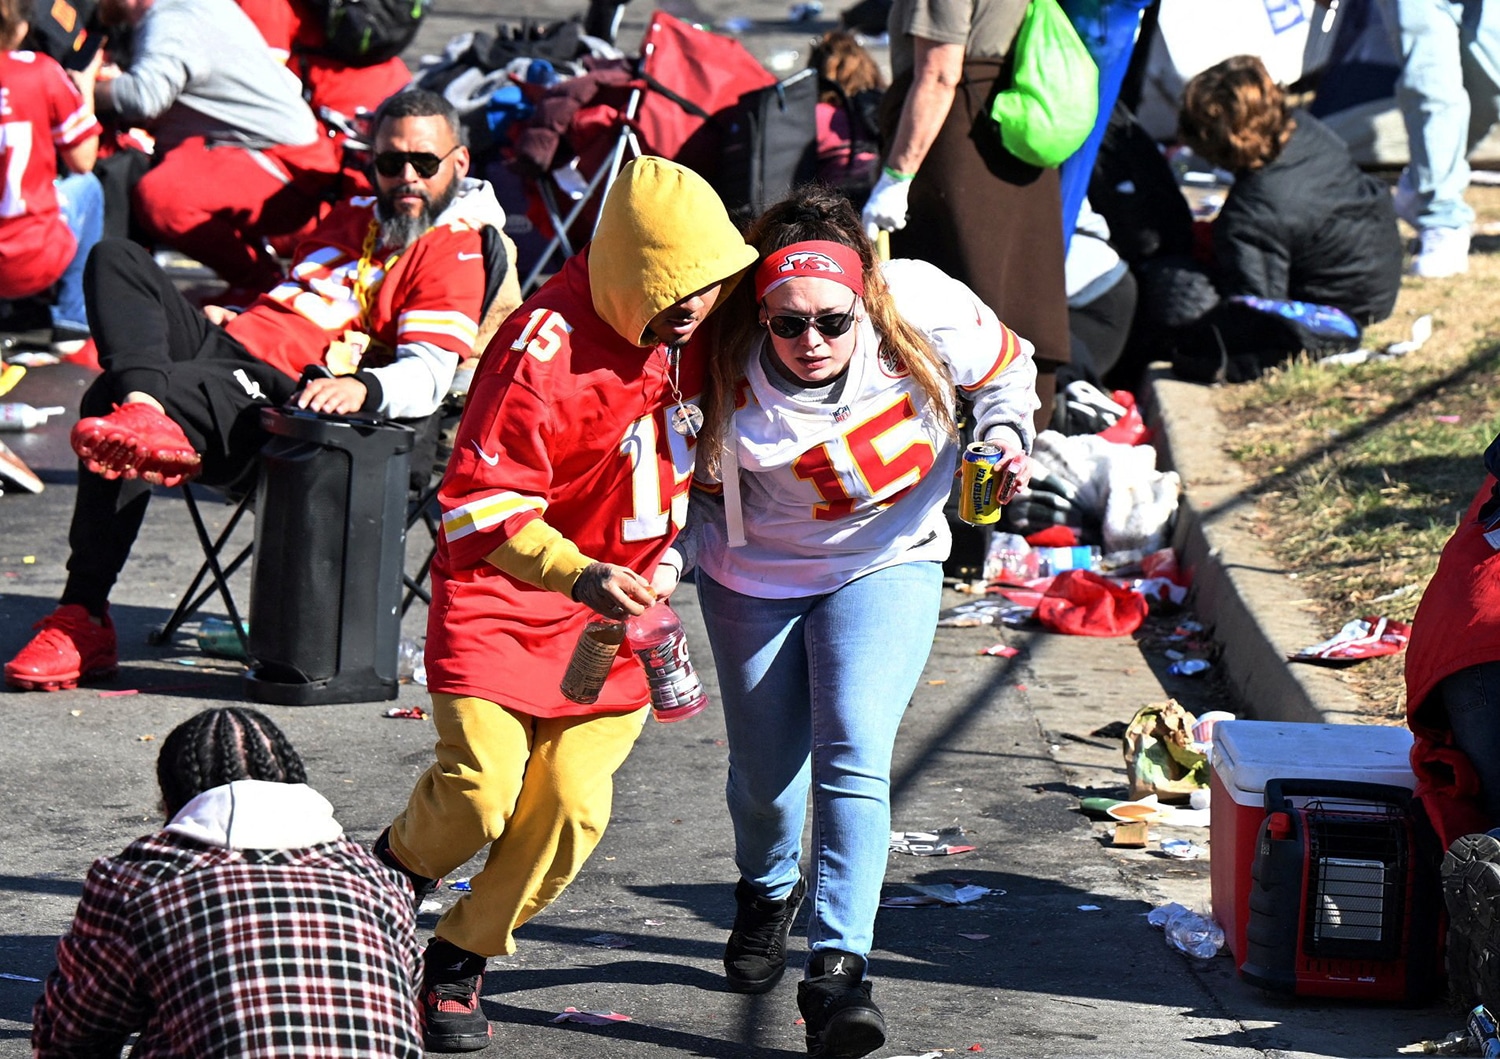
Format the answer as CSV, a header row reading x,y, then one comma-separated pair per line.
x,y
985,484
218,637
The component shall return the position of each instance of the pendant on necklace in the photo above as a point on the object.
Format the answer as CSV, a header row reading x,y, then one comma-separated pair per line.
x,y
687,419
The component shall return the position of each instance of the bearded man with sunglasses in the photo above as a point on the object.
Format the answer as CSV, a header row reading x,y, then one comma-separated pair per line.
x,y
381,303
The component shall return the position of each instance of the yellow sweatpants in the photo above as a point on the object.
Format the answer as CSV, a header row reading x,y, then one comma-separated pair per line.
x,y
536,790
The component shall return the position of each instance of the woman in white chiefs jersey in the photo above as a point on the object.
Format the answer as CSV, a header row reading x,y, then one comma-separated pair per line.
x,y
830,438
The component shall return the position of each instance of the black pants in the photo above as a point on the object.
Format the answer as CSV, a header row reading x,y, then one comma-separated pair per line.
x,y
1100,328
154,340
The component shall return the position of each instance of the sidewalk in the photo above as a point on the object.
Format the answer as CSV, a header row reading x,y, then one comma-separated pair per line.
x,y
1238,586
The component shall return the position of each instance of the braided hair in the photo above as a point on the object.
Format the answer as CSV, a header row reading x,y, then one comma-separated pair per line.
x,y
219,746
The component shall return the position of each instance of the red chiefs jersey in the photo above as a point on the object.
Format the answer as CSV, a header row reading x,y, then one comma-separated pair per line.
x,y
40,111
569,422
430,293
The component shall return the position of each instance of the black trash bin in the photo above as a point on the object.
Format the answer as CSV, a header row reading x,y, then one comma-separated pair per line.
x,y
330,540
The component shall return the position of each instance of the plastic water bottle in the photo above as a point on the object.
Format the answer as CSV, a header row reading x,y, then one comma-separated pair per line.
x,y
1194,934
1010,555
660,642
411,661
1484,1035
1077,557
593,658
18,416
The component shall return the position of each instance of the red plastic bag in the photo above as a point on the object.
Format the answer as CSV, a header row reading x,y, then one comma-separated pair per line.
x,y
1130,428
1082,603
1164,564
1054,537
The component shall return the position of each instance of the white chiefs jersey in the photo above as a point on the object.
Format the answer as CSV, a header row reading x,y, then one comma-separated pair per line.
x,y
832,490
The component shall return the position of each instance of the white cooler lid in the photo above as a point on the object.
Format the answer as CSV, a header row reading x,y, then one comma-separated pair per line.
x,y
1245,754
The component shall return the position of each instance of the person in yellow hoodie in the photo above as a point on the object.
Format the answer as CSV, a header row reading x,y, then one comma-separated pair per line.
x,y
568,482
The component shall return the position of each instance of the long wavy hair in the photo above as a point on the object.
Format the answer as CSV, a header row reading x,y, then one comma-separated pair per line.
x,y
842,61
810,212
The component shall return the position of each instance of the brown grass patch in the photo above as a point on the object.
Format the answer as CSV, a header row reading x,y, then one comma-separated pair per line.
x,y
1359,480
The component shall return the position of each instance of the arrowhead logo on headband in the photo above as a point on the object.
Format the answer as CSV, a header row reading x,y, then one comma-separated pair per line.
x,y
818,258
808,261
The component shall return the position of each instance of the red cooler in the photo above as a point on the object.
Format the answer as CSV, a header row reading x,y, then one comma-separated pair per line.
x,y
1245,755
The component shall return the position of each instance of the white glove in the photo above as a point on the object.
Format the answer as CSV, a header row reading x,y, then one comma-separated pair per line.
x,y
886,207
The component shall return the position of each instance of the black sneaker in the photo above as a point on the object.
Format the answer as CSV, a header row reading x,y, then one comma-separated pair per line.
x,y
452,1020
1471,892
842,1021
756,953
421,886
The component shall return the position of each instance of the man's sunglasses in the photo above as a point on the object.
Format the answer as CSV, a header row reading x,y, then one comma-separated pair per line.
x,y
831,325
394,163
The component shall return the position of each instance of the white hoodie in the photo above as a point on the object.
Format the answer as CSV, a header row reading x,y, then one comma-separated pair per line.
x,y
257,814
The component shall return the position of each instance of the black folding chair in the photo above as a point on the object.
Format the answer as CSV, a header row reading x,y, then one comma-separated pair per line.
x,y
428,461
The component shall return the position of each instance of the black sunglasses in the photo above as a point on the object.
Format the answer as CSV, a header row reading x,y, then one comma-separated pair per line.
x,y
394,163
831,325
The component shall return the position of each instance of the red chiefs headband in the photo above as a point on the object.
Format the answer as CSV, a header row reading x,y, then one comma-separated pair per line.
x,y
819,258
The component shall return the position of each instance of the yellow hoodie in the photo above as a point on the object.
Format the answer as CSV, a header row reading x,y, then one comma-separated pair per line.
x,y
663,235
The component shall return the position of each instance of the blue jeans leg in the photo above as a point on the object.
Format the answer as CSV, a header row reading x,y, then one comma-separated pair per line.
x,y
1447,92
813,692
80,199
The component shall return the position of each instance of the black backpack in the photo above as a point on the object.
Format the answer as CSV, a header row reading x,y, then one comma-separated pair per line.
x,y
366,32
769,143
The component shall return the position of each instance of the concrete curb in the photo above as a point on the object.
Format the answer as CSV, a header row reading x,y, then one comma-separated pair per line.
x,y
1253,604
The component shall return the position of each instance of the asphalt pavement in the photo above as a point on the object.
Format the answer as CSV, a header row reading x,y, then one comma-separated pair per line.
x,y
1056,960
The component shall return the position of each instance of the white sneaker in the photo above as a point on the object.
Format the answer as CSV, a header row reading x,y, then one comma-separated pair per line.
x,y
1443,252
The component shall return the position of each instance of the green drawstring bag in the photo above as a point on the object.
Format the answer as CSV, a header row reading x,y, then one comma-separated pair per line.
x,y
1052,103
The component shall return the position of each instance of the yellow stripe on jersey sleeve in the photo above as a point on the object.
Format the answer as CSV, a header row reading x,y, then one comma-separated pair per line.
x,y
1010,348
477,516
433,322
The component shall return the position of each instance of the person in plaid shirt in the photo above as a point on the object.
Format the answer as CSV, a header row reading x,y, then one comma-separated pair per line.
x,y
249,925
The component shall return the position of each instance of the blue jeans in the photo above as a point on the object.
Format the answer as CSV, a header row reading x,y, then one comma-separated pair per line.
x,y
80,200
813,691
1449,95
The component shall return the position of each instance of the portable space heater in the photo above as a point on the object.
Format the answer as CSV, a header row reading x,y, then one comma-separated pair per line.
x,y
1340,903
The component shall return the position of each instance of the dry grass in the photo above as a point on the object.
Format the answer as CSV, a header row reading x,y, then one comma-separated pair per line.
x,y
1360,482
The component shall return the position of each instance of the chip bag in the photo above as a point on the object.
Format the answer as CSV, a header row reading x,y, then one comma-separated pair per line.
x,y
1159,755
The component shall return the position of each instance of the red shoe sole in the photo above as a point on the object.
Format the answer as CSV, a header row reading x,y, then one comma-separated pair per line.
x,y
108,451
58,682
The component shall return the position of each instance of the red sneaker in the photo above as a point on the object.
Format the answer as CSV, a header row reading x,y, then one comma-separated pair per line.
x,y
87,356
67,648
135,440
